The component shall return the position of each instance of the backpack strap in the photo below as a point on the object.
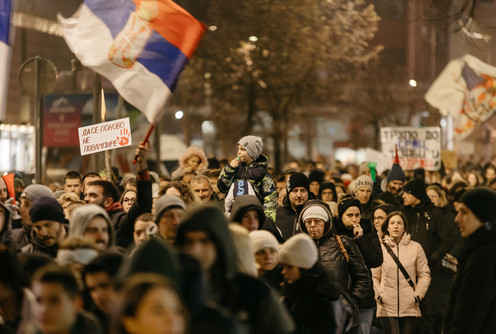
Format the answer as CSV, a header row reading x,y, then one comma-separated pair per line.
x,y
400,266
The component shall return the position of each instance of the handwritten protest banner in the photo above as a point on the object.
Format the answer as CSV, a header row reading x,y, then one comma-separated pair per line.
x,y
105,136
417,147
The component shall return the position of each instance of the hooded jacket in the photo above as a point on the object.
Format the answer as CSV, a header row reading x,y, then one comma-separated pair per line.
x,y
251,302
190,151
244,203
348,272
397,296
256,173
82,216
287,218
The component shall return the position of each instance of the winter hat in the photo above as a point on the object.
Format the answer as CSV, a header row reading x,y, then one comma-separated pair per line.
x,y
347,202
416,188
299,251
47,208
316,176
166,202
35,191
481,201
396,173
315,211
263,239
253,145
361,181
297,180
328,185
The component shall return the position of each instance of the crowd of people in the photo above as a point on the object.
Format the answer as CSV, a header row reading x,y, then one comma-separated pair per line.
x,y
230,247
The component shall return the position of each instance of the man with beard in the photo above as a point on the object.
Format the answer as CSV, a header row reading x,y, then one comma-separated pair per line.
x,y
48,227
394,183
22,236
106,195
298,194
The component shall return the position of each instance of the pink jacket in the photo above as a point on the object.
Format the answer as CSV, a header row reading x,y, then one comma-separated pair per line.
x,y
397,298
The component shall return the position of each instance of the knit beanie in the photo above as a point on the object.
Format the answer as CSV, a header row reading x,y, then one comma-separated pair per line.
x,y
47,208
35,191
396,173
261,239
361,181
253,145
315,211
166,202
299,251
416,188
482,202
347,202
297,180
316,176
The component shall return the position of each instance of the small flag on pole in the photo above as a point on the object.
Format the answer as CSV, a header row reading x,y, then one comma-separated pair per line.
x,y
141,46
5,52
466,89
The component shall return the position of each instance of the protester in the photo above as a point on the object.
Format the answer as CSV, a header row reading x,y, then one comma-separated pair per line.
x,y
250,166
93,222
181,190
168,214
398,297
49,227
472,305
308,292
298,194
72,183
204,234
192,160
266,252
144,226
58,303
361,188
128,198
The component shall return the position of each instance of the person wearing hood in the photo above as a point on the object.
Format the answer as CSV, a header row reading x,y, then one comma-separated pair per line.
x,y
168,214
328,195
49,227
429,226
338,253
106,195
307,290
93,222
248,173
297,195
205,235
185,275
248,212
398,301
22,236
192,160
352,224
472,305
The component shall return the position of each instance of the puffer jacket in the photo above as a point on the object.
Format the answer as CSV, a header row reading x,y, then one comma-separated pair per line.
x,y
395,297
256,173
348,272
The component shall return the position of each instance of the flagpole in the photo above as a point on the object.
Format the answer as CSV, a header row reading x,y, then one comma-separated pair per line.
x,y
107,153
150,130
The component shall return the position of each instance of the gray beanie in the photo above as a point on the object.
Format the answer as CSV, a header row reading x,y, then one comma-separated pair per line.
x,y
35,191
253,145
166,202
299,251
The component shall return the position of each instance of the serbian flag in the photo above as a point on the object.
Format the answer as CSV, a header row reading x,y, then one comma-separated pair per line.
x,y
5,52
141,46
466,88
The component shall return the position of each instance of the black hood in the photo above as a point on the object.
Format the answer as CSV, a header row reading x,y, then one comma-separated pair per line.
x,y
211,220
244,203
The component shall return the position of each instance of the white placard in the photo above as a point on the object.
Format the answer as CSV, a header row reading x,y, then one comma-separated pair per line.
x,y
417,147
105,136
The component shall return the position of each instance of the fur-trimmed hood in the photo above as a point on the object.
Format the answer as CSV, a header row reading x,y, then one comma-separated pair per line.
x,y
194,150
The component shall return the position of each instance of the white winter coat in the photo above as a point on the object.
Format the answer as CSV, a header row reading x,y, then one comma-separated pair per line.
x,y
398,297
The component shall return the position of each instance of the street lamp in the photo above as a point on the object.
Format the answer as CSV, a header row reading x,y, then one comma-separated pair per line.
x,y
412,83
179,114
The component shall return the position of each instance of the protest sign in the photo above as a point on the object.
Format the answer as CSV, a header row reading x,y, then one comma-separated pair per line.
x,y
105,136
417,147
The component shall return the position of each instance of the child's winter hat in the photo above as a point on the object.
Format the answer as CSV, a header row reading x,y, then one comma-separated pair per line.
x,y
253,145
